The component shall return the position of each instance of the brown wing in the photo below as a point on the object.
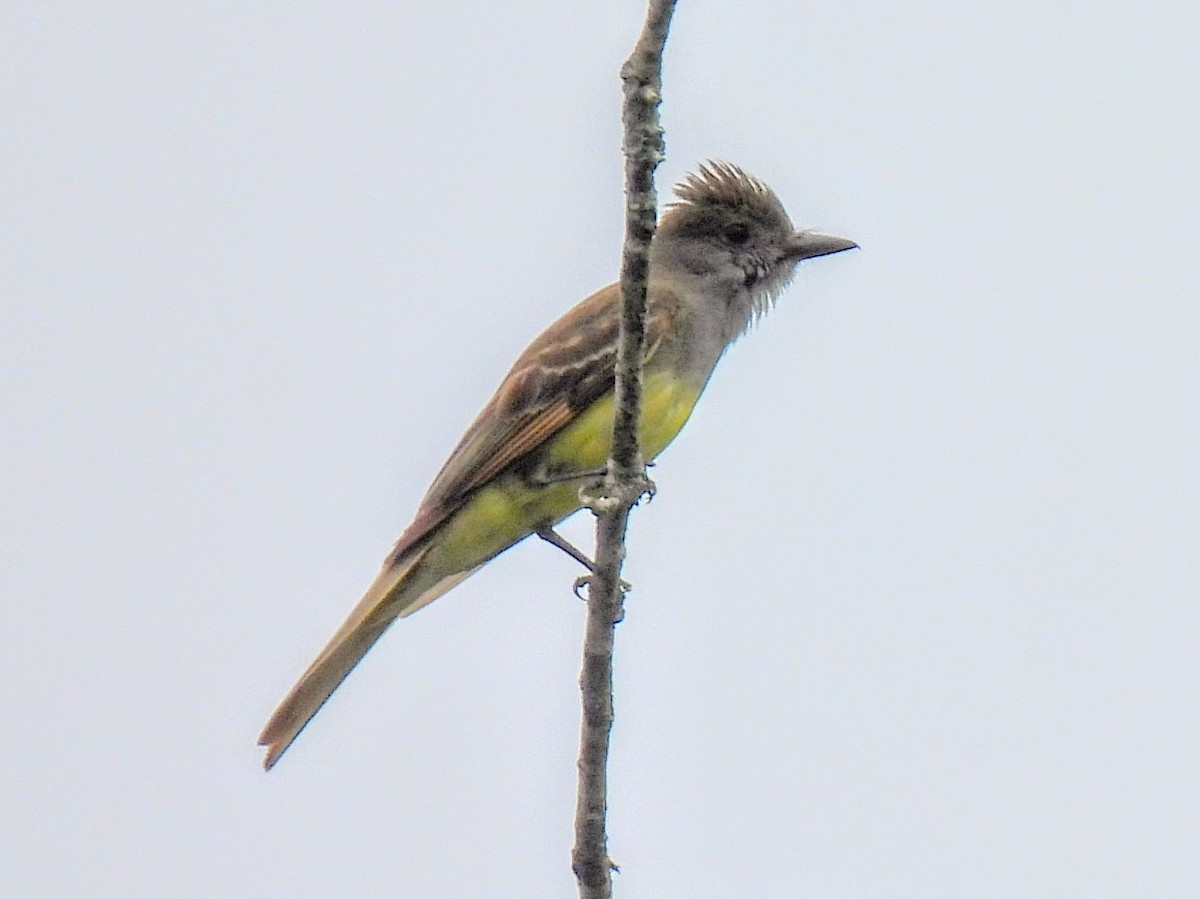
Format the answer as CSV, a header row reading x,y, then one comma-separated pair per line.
x,y
567,367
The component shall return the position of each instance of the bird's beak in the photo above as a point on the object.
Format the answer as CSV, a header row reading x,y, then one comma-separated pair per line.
x,y
810,244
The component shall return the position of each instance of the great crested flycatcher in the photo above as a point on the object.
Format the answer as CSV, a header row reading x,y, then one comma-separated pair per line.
x,y
722,253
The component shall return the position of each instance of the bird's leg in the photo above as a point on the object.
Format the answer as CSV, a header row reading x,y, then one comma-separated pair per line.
x,y
544,478
554,538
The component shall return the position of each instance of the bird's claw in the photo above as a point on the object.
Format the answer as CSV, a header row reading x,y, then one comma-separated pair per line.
x,y
585,580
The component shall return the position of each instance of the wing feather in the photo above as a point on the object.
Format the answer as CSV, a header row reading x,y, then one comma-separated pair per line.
x,y
567,367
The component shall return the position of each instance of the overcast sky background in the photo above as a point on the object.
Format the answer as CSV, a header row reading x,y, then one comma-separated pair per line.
x,y
915,610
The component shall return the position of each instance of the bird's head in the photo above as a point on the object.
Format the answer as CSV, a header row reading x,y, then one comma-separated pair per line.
x,y
729,229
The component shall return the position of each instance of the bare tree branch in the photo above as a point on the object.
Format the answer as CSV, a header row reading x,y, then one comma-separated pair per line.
x,y
626,481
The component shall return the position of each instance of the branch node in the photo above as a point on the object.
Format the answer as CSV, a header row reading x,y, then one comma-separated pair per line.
x,y
618,493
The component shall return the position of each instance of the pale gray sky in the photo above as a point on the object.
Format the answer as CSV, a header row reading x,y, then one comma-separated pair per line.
x,y
915,610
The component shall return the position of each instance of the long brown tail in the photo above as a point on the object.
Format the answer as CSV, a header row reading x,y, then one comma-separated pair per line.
x,y
393,594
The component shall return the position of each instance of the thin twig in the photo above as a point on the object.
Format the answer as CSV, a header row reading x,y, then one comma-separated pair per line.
x,y
626,480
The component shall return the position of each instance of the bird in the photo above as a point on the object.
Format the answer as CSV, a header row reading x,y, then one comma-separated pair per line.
x,y
723,252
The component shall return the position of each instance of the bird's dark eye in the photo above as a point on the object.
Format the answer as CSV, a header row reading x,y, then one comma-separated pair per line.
x,y
736,233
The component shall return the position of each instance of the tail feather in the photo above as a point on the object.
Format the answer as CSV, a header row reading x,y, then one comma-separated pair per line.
x,y
388,598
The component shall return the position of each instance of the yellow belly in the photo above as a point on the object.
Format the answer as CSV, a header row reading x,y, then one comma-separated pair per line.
x,y
666,404
510,508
